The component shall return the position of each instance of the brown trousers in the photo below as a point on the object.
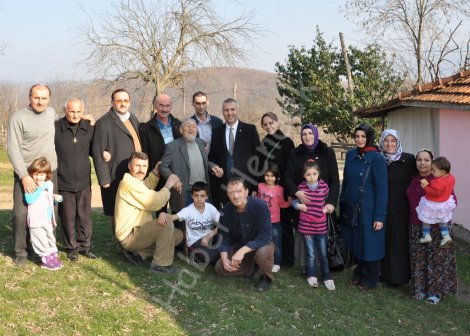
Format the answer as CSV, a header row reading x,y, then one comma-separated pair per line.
x,y
263,257
154,239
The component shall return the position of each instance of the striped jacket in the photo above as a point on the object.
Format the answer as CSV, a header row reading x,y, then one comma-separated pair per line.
x,y
314,220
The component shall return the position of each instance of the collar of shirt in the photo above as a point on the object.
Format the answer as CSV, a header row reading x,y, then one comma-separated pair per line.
x,y
160,124
227,132
208,118
123,117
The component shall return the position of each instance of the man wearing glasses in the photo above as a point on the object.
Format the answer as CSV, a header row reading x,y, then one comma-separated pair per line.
x,y
205,122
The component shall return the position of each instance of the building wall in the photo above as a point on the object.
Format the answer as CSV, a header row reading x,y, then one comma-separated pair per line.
x,y
454,143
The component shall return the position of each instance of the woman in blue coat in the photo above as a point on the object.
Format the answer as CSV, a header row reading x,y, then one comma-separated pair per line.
x,y
365,169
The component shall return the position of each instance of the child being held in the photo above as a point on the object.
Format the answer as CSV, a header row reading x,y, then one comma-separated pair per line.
x,y
313,224
436,206
41,219
202,220
273,195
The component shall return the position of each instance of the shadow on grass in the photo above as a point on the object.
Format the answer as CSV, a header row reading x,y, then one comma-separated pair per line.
x,y
111,296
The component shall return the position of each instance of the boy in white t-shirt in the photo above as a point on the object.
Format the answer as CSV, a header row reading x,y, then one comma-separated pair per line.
x,y
202,220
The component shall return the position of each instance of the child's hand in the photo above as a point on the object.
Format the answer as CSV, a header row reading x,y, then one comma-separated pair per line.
x,y
302,207
57,198
289,199
106,156
424,183
205,241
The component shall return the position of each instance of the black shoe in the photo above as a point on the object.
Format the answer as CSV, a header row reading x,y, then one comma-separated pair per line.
x,y
163,269
21,261
264,284
88,254
72,256
135,259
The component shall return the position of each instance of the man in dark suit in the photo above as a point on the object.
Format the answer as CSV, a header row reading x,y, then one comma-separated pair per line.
x,y
186,158
234,148
116,132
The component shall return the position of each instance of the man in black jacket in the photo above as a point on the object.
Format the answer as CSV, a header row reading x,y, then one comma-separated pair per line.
x,y
206,122
161,129
73,138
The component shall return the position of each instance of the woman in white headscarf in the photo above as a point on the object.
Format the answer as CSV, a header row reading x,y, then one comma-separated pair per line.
x,y
401,166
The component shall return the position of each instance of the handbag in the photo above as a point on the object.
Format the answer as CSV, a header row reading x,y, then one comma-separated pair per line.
x,y
339,257
350,213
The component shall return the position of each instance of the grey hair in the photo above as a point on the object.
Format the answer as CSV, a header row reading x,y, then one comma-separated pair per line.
x,y
187,120
229,101
71,99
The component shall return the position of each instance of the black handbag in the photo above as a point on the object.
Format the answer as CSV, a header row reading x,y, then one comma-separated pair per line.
x,y
350,213
339,257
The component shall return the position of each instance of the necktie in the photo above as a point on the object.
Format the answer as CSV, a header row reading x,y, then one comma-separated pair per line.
x,y
231,141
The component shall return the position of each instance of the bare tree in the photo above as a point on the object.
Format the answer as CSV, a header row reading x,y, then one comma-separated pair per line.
x,y
414,27
158,41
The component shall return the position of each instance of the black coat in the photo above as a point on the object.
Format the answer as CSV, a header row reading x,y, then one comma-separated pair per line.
x,y
396,264
245,158
326,159
111,135
277,149
73,163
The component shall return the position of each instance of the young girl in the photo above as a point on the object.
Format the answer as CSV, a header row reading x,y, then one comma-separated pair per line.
x,y
436,206
41,219
313,224
273,194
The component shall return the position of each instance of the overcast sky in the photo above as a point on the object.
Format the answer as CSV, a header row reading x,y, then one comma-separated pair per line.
x,y
42,42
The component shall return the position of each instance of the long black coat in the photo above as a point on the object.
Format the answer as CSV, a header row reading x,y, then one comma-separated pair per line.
x,y
245,158
396,264
111,135
277,149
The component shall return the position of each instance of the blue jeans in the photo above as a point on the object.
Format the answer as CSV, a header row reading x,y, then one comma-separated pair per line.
x,y
277,239
317,244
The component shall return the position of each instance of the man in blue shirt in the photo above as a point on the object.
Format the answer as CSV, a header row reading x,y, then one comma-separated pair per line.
x,y
246,236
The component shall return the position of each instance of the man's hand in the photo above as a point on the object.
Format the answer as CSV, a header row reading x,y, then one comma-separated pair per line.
x,y
237,258
227,263
378,225
217,171
329,208
89,118
107,185
171,181
155,169
162,219
28,183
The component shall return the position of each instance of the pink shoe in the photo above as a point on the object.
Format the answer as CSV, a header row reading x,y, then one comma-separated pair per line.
x,y
48,262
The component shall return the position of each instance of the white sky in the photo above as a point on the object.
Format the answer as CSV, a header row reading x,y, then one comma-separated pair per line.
x,y
43,45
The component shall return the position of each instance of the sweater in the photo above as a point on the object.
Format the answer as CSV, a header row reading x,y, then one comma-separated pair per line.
x,y
440,188
314,220
136,200
30,136
274,198
40,206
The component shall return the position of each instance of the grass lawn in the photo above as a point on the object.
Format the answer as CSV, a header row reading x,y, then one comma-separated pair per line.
x,y
111,297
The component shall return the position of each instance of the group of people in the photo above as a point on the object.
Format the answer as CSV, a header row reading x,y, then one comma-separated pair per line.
x,y
246,206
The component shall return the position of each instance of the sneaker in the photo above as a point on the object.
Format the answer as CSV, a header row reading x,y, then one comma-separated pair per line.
x,y
426,239
276,268
21,261
330,285
48,262
163,269
312,281
446,240
264,284
56,261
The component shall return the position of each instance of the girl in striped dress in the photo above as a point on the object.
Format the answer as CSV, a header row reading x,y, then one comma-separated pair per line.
x,y
313,224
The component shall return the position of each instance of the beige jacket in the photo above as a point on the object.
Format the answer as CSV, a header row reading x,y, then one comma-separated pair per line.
x,y
136,201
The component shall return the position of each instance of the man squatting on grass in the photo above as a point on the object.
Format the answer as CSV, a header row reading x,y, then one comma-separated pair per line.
x,y
248,240
136,230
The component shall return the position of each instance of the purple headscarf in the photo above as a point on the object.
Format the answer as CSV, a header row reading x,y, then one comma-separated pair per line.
x,y
315,135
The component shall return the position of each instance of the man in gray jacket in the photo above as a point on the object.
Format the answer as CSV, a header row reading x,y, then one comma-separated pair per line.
x,y
30,135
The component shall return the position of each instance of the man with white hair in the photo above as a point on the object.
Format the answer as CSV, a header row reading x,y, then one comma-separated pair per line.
x,y
186,158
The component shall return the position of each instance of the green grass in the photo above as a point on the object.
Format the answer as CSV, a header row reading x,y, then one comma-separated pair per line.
x,y
111,297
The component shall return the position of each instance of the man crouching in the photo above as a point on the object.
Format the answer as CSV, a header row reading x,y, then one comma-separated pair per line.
x,y
136,230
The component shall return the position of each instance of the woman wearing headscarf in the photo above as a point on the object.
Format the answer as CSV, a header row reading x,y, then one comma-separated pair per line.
x,y
365,182
401,168
312,148
433,268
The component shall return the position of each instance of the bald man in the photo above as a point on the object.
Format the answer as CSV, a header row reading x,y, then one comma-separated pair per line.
x,y
160,130
73,140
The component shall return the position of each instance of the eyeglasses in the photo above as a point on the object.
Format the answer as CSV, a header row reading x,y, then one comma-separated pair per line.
x,y
121,101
